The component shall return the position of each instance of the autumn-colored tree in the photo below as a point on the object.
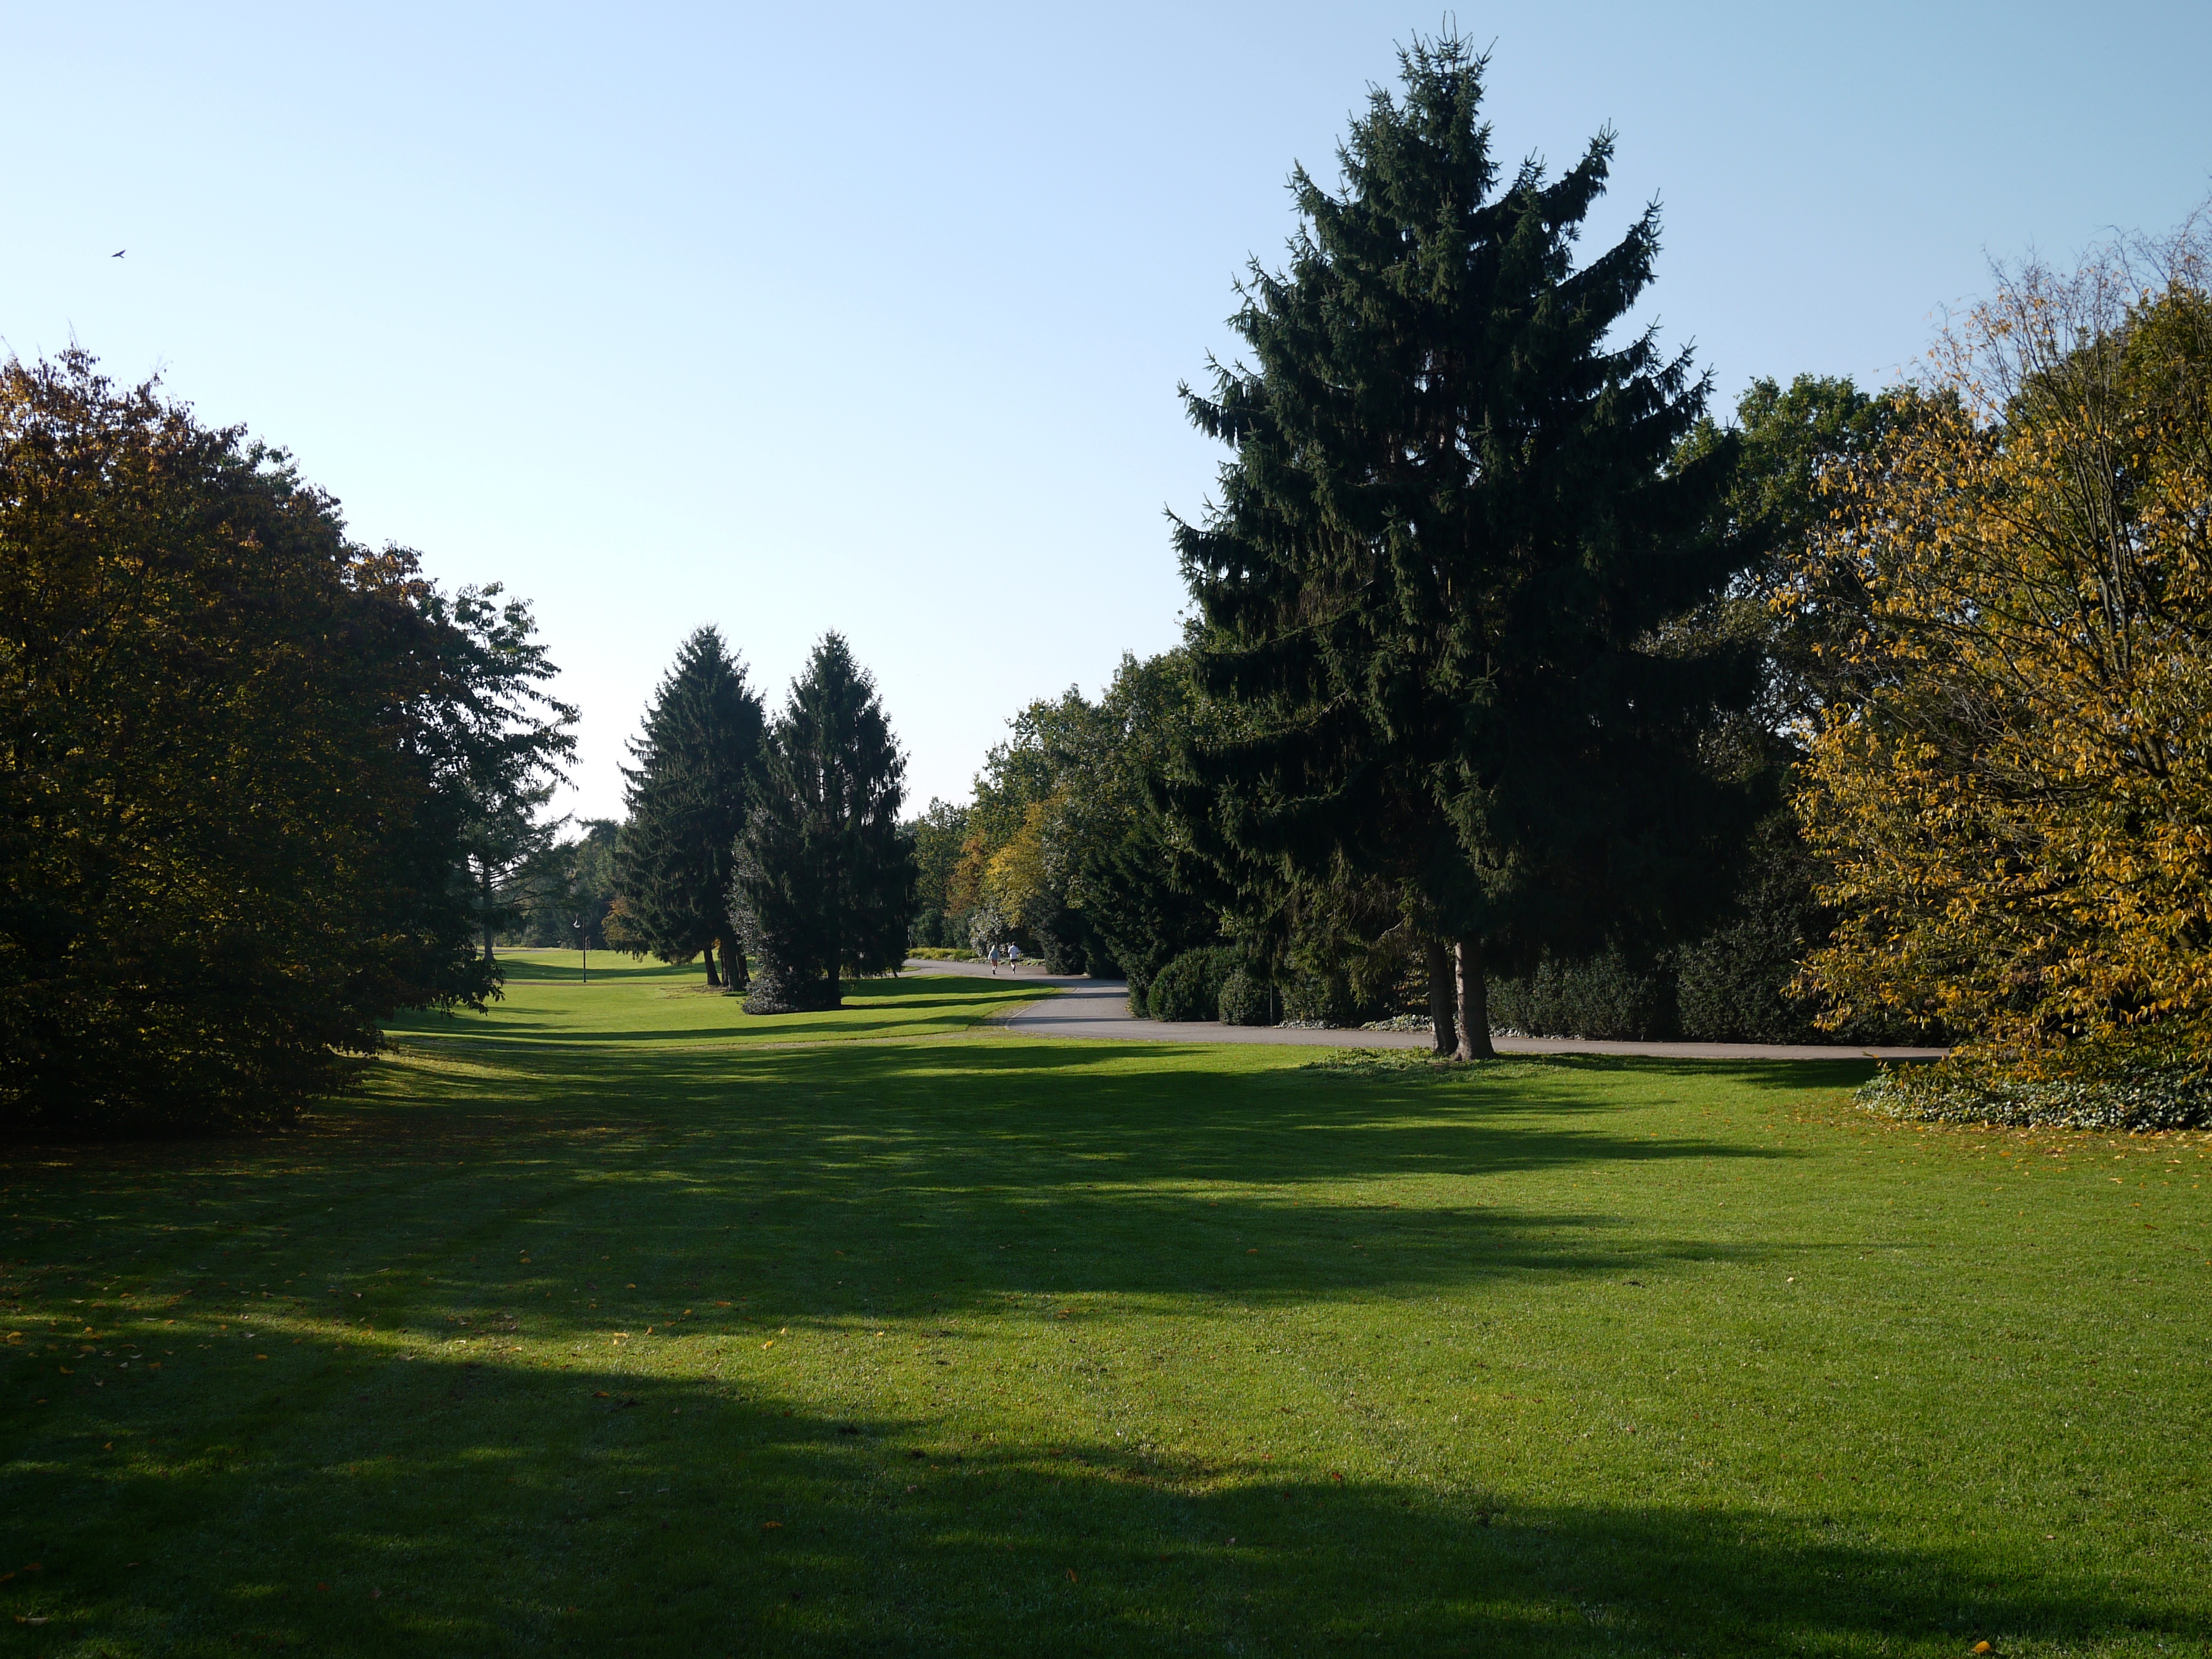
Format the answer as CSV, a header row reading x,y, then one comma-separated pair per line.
x,y
2017,804
226,849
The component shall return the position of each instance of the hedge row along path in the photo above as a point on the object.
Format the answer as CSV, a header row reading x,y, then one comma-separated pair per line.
x,y
1100,1008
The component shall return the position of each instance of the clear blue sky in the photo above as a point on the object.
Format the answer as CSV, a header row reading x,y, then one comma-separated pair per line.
x,y
871,317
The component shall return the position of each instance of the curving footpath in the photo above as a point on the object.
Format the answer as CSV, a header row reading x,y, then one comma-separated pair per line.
x,y
1100,1008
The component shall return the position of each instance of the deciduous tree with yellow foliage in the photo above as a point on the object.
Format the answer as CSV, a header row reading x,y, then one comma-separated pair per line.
x,y
2015,800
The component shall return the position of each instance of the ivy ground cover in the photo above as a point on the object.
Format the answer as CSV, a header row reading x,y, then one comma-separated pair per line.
x,y
607,1323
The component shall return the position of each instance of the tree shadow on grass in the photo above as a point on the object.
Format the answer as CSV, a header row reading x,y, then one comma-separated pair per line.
x,y
358,1504
964,1168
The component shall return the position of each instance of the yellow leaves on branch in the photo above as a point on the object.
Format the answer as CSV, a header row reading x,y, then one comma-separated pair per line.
x,y
2017,803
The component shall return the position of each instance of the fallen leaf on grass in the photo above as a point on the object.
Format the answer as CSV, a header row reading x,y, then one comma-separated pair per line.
x,y
1071,1578
598,1394
40,1619
771,1526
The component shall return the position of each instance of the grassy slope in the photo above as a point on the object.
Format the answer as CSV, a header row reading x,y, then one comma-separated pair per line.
x,y
586,1333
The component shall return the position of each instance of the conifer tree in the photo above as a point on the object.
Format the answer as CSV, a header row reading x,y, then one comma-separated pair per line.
x,y
687,799
1448,531
825,878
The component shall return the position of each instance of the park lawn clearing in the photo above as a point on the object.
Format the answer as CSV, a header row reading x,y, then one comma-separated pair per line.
x,y
590,1329
635,1006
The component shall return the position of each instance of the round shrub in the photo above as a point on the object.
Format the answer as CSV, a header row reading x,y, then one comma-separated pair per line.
x,y
1189,988
1247,1000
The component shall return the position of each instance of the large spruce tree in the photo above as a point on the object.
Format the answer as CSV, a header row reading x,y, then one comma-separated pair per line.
x,y
1450,529
824,880
687,797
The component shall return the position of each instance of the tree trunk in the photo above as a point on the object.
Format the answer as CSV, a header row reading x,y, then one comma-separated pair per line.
x,y
713,978
1441,992
736,976
484,889
1474,1004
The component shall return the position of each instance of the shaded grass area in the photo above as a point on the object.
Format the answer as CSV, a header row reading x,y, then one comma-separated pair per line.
x,y
579,1335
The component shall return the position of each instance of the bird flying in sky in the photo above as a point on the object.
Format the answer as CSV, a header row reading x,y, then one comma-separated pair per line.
x,y
119,253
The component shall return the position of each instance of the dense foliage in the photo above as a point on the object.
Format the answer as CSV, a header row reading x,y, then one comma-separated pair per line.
x,y
823,883
2015,806
1455,519
1190,987
501,744
233,749
565,897
1065,850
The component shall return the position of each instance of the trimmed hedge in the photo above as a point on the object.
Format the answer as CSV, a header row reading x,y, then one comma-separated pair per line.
x,y
1599,997
1247,1000
1189,988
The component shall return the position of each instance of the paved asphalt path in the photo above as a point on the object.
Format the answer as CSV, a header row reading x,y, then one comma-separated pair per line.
x,y
1100,1008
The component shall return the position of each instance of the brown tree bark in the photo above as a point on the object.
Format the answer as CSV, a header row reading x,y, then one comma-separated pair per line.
x,y
1473,1009
713,978
1441,996
736,975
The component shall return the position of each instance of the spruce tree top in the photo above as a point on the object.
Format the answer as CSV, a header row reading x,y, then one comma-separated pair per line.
x,y
1452,521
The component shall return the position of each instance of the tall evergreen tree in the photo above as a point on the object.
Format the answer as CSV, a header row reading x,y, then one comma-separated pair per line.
x,y
687,799
1449,530
825,880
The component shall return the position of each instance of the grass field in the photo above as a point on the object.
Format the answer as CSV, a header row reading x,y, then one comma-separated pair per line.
x,y
602,1324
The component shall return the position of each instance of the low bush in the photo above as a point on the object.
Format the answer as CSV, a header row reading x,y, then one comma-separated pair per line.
x,y
1247,1000
1968,1089
939,953
1324,998
1603,998
1189,988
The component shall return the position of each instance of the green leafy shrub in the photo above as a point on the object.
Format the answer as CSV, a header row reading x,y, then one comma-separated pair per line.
x,y
939,953
1325,998
1189,988
1247,1000
1966,1090
1603,998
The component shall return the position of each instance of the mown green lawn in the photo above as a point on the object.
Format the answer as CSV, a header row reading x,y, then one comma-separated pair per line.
x,y
602,1325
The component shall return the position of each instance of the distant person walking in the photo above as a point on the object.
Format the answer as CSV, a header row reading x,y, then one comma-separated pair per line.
x,y
1013,958
993,959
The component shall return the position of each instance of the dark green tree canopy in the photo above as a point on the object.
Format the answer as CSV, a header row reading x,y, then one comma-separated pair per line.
x,y
1452,524
226,847
825,880
687,795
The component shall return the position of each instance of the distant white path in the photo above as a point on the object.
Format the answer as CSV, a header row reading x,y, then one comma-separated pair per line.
x,y
1100,1008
